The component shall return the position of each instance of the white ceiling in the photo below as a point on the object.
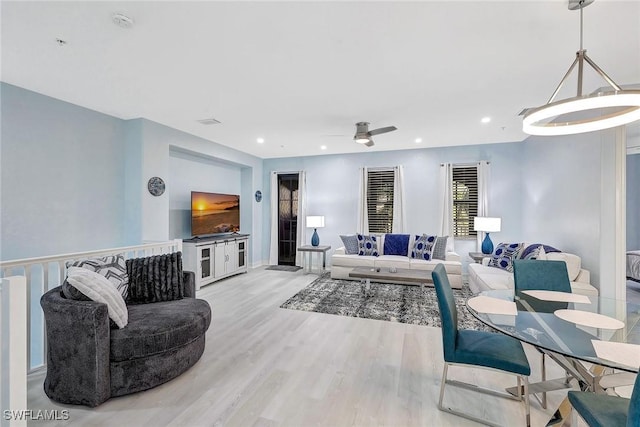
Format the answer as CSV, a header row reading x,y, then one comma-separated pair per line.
x,y
300,73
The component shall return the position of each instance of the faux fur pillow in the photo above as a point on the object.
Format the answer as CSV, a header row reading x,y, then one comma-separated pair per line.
x,y
98,288
155,278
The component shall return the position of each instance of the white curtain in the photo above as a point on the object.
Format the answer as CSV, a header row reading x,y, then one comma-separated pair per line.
x,y
399,208
302,216
273,249
363,216
446,204
483,194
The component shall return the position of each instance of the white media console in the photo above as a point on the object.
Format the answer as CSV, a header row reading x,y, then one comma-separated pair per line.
x,y
215,257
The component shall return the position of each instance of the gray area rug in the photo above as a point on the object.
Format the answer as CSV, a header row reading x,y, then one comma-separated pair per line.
x,y
292,268
391,302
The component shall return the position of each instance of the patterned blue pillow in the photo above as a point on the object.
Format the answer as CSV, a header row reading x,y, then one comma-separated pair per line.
x,y
423,246
350,244
396,244
367,245
504,255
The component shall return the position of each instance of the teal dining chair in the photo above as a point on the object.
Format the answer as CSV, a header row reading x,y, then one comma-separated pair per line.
x,y
541,275
602,410
477,349
544,275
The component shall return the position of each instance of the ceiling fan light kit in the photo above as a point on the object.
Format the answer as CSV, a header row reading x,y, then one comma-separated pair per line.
x,y
610,108
363,134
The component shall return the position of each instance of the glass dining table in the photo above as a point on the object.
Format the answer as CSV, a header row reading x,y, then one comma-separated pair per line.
x,y
590,337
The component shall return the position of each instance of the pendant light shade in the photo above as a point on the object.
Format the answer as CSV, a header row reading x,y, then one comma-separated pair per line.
x,y
587,113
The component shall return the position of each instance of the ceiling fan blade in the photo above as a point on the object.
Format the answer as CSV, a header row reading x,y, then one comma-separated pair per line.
x,y
370,143
382,130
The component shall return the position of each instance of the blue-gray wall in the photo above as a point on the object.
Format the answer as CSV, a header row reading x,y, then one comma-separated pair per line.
x,y
187,173
562,194
633,202
62,175
332,188
553,190
158,143
73,179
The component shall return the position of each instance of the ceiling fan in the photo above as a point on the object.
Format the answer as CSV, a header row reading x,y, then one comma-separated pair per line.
x,y
363,134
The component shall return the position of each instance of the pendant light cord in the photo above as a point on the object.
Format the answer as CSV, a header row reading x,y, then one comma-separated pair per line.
x,y
581,7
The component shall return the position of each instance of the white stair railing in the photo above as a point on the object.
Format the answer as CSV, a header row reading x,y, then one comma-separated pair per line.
x,y
13,359
43,273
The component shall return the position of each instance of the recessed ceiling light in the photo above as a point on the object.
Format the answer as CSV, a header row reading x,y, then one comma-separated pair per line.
x,y
486,119
260,140
418,140
323,147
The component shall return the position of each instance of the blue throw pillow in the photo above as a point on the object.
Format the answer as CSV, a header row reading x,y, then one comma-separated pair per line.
x,y
531,248
504,255
534,254
367,245
396,244
350,244
423,247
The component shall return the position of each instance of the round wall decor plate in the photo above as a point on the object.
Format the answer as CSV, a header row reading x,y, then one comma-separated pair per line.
x,y
586,318
156,186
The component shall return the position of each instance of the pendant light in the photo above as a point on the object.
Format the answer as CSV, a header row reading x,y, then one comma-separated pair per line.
x,y
600,110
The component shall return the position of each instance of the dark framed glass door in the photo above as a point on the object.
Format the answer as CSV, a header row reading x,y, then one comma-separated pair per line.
x,y
287,218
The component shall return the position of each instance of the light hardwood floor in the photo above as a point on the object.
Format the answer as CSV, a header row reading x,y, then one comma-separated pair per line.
x,y
267,366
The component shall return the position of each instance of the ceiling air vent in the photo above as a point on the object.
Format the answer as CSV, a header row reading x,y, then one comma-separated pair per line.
x,y
210,121
122,20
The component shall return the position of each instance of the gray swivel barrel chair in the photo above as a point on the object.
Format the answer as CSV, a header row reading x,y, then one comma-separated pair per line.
x,y
88,361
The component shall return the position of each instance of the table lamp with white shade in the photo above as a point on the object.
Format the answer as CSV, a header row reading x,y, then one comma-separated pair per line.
x,y
488,225
315,222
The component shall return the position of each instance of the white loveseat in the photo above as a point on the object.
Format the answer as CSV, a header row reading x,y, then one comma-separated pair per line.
x,y
342,264
482,277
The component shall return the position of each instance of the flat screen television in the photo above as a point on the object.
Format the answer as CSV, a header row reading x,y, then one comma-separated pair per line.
x,y
214,213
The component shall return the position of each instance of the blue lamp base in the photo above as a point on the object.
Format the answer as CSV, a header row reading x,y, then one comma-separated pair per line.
x,y
315,239
487,245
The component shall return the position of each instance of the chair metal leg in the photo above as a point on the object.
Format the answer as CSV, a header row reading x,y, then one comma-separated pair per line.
x,y
442,384
468,386
543,369
527,402
519,385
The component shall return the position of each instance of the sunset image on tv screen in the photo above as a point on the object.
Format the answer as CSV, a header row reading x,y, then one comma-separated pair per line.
x,y
214,213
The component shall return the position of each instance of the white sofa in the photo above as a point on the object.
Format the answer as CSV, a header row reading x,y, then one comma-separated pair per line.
x,y
342,264
482,277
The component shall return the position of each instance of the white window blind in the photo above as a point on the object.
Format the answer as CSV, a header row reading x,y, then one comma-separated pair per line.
x,y
465,199
380,200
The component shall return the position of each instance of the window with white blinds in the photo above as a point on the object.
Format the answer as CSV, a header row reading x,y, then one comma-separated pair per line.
x,y
465,199
380,200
